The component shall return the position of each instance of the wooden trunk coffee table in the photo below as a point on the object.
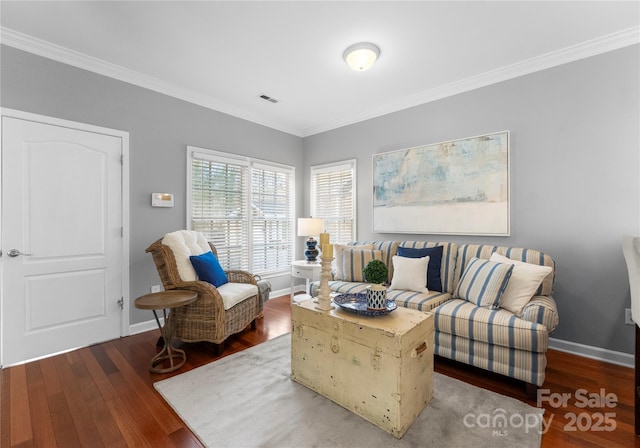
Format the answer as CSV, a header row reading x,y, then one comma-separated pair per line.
x,y
166,300
380,368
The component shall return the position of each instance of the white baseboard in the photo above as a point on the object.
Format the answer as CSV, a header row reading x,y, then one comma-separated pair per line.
x,y
588,351
281,292
141,327
149,325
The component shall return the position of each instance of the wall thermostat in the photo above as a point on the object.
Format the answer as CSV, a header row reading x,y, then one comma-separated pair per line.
x,y
162,199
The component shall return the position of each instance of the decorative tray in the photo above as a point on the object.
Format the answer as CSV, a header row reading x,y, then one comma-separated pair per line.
x,y
357,303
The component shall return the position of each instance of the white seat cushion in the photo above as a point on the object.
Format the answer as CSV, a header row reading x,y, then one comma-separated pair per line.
x,y
234,293
184,243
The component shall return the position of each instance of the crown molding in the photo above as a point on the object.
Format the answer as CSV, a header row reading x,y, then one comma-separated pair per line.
x,y
67,56
614,41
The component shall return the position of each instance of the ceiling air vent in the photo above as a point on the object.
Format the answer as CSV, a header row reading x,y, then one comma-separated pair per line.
x,y
268,98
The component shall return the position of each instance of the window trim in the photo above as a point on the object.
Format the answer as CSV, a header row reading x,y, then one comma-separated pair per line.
x,y
194,152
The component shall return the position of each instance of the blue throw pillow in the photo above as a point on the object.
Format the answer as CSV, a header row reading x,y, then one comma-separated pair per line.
x,y
434,281
208,269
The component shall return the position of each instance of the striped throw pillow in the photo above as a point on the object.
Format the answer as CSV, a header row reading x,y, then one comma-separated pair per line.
x,y
483,282
338,253
354,261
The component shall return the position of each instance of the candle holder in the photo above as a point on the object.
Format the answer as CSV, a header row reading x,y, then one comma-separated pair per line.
x,y
324,295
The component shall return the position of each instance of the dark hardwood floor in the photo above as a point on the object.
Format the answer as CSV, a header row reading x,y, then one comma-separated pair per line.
x,y
103,395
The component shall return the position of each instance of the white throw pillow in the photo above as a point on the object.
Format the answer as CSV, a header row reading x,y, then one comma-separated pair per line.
x,y
409,274
523,284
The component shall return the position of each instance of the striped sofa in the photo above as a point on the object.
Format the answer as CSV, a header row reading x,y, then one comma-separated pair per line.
x,y
492,339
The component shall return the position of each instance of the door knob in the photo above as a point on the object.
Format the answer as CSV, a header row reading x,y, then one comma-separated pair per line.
x,y
15,253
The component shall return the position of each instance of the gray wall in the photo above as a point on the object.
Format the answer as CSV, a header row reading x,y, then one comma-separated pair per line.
x,y
574,176
574,164
160,127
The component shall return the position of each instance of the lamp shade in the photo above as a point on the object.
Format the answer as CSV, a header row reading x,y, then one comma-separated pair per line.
x,y
310,226
361,56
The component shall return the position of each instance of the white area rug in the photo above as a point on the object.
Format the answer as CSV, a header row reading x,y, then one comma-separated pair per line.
x,y
248,400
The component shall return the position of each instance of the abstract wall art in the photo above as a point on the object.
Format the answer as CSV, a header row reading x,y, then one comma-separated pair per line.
x,y
459,187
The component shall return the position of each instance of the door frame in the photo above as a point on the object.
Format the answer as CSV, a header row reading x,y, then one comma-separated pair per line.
x,y
124,136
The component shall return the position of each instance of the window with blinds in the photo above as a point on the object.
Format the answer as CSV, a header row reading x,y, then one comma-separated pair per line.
x,y
271,220
333,193
245,208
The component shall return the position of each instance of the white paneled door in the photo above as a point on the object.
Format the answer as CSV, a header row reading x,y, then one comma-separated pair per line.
x,y
62,244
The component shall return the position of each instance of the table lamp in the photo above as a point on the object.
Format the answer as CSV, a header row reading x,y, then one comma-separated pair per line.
x,y
310,227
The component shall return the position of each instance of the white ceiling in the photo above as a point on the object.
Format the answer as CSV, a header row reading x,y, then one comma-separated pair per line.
x,y
223,55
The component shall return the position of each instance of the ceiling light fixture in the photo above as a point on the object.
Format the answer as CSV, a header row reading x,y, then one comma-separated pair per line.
x,y
361,56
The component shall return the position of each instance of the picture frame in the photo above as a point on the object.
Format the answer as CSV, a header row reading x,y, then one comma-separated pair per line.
x,y
456,187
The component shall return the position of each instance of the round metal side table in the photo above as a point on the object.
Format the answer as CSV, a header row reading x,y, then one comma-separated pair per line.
x,y
166,300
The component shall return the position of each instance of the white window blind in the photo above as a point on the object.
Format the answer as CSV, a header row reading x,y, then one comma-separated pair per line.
x,y
272,223
333,192
219,209
245,208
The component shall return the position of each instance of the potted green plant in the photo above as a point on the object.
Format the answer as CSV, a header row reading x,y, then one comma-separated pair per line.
x,y
376,273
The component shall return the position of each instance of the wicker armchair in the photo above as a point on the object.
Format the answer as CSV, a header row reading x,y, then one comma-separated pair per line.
x,y
206,319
